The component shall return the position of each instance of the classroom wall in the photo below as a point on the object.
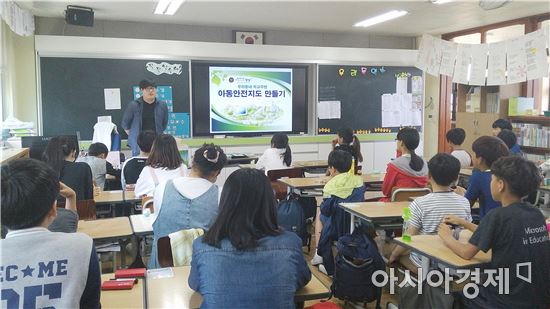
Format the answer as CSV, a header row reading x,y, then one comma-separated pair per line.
x,y
137,30
19,76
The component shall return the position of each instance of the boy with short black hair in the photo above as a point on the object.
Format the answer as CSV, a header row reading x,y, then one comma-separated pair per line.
x,y
511,140
343,187
96,159
133,167
501,124
487,149
42,269
517,235
455,138
429,210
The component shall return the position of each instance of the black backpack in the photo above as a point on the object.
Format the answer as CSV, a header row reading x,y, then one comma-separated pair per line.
x,y
357,259
291,216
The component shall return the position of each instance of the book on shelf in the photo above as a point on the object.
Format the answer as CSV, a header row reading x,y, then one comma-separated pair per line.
x,y
532,135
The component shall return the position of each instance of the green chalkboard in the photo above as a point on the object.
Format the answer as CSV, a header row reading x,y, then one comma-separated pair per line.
x,y
72,90
359,91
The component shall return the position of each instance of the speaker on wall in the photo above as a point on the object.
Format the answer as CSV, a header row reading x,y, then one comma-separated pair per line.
x,y
79,15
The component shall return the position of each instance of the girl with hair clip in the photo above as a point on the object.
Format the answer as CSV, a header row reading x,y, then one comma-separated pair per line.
x,y
279,156
61,154
347,141
164,163
232,264
408,170
191,201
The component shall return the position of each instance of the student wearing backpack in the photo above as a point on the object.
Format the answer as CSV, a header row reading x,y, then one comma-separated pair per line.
x,y
245,260
342,187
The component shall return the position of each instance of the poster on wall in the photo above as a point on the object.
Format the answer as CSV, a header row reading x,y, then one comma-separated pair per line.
x,y
247,99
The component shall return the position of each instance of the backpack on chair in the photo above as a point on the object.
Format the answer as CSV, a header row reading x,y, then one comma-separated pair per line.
x,y
291,217
357,259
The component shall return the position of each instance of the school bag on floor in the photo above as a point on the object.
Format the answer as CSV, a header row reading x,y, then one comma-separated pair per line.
x,y
357,259
291,217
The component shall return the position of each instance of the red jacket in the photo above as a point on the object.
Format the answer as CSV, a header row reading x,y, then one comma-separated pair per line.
x,y
396,177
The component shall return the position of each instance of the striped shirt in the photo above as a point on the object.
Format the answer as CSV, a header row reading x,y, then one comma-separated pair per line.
x,y
428,211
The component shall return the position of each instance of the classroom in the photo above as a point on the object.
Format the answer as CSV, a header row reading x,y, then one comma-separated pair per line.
x,y
275,154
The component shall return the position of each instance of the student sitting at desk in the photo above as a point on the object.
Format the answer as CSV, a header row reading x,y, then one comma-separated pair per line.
x,y
408,170
279,156
96,159
517,235
133,166
511,140
245,260
60,154
347,141
343,187
487,149
42,269
455,138
188,202
428,211
164,163
501,124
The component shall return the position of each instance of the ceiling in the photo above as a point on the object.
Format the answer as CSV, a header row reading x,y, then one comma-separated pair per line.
x,y
318,16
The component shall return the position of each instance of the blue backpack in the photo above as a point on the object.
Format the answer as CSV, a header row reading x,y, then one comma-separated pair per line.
x,y
291,216
357,259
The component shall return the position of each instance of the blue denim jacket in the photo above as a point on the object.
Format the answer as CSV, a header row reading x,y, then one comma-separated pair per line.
x,y
264,277
131,120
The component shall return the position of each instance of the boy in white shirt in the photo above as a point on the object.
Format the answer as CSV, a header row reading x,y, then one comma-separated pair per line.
x,y
455,138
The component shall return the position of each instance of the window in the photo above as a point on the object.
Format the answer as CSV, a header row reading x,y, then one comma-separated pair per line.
x,y
504,33
474,38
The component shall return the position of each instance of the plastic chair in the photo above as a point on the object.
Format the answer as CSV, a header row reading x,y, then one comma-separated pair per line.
x,y
404,194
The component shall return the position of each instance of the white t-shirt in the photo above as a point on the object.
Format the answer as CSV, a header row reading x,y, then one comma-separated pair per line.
x,y
190,187
145,184
428,211
463,156
271,159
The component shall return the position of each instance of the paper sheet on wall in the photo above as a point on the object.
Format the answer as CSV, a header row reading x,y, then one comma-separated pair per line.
x,y
401,85
406,109
478,68
386,102
535,50
462,64
434,57
112,98
426,45
496,64
329,110
448,57
516,60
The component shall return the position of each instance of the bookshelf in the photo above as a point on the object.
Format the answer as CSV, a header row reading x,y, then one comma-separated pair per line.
x,y
533,135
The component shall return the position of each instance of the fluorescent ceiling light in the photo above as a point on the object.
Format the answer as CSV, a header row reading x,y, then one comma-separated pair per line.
x,y
168,7
441,1
161,6
380,18
173,7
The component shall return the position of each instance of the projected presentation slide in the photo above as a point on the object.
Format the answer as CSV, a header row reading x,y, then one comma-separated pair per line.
x,y
244,99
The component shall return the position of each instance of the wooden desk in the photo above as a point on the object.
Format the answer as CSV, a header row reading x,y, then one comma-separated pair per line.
x,y
374,211
133,298
114,197
174,292
104,229
250,165
142,225
311,164
10,154
319,182
431,247
241,160
545,189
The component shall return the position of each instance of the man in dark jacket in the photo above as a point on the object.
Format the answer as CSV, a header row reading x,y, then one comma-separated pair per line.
x,y
144,113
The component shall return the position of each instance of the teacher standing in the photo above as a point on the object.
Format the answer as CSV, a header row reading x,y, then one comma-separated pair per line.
x,y
145,113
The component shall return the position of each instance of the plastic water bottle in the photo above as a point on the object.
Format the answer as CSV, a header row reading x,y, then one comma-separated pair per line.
x,y
406,214
146,212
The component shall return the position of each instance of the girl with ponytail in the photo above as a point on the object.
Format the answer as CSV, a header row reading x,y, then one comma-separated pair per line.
x,y
279,156
347,141
409,170
60,154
